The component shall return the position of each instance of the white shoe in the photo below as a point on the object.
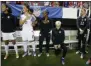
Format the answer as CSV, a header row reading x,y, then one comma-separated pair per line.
x,y
34,54
29,53
39,54
24,54
6,56
81,56
63,62
47,54
17,55
77,52
86,52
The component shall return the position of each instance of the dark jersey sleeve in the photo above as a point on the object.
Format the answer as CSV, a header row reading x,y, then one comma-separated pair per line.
x,y
53,35
14,20
88,24
51,24
63,36
77,23
40,23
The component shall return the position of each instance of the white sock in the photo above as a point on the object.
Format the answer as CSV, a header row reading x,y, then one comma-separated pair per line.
x,y
6,49
33,46
25,47
28,49
16,50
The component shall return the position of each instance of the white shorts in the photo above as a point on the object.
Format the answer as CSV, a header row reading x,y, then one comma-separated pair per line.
x,y
9,36
27,35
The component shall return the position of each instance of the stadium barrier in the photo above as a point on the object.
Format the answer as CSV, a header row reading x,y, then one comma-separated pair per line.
x,y
68,40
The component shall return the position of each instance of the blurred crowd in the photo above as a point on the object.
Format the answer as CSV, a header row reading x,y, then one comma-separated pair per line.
x,y
68,4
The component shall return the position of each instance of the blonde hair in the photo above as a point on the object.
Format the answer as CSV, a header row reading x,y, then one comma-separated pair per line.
x,y
58,23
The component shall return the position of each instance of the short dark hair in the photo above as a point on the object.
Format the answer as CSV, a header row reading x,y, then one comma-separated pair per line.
x,y
7,6
31,10
46,11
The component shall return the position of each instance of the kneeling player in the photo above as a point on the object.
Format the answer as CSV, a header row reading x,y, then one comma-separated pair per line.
x,y
58,37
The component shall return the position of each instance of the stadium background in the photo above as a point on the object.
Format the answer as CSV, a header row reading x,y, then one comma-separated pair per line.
x,y
68,23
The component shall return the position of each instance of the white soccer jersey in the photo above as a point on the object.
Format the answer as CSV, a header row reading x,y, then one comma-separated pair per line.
x,y
28,24
27,28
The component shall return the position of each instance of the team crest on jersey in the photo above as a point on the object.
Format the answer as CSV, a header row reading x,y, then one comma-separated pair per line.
x,y
85,19
8,17
82,23
59,31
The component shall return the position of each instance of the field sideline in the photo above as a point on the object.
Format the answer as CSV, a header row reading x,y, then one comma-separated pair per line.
x,y
71,60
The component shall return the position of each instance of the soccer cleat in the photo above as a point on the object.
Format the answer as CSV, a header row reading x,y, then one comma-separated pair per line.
x,y
47,54
6,56
62,60
34,53
77,52
29,53
89,61
24,54
17,55
81,56
39,54
86,52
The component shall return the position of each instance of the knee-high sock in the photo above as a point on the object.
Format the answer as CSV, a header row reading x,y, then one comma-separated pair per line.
x,y
34,46
25,46
16,50
28,47
6,49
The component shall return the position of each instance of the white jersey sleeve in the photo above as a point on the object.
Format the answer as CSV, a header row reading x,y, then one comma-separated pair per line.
x,y
22,17
33,18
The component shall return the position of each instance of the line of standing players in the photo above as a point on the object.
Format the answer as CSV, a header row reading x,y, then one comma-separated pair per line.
x,y
28,21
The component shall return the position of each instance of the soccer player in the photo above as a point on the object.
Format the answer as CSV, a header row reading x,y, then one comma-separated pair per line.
x,y
58,37
26,21
82,25
45,28
8,28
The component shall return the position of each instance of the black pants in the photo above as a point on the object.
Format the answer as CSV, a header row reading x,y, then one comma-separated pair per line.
x,y
62,47
81,43
89,40
41,39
